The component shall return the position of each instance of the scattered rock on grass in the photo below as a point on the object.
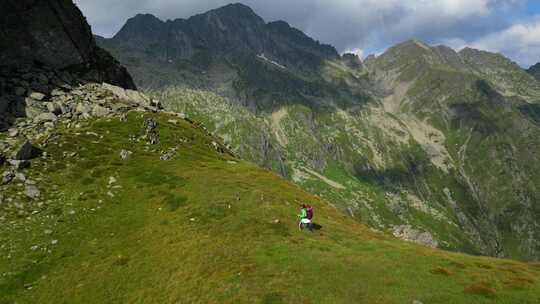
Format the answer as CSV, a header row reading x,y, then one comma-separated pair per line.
x,y
31,191
27,151
20,176
150,131
166,155
7,177
19,164
124,154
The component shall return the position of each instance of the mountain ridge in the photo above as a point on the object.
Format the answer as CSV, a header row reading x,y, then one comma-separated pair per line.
x,y
413,135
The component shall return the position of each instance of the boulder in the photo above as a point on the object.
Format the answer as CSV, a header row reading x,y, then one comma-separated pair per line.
x,y
45,117
31,191
100,111
13,132
157,104
7,177
83,109
138,98
127,95
20,176
28,151
19,164
37,96
54,108
32,108
115,90
57,92
124,154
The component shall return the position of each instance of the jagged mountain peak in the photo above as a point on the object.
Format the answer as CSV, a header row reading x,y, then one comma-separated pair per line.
x,y
236,8
482,57
411,44
232,32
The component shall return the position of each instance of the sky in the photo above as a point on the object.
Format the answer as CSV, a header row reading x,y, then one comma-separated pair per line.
x,y
510,27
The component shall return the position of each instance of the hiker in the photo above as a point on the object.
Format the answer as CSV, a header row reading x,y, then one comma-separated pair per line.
x,y
306,214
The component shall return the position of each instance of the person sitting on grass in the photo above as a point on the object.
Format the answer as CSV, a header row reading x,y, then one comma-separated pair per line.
x,y
306,214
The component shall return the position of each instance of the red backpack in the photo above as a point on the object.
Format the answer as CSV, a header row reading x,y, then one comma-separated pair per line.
x,y
309,212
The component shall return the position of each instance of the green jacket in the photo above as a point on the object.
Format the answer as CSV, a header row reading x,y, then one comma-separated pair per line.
x,y
303,213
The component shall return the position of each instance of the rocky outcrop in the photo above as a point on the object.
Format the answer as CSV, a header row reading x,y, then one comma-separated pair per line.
x,y
46,47
56,35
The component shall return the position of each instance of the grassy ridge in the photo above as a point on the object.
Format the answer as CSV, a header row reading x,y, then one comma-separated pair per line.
x,y
206,228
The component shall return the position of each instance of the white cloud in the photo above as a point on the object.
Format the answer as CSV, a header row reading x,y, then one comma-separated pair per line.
x,y
520,41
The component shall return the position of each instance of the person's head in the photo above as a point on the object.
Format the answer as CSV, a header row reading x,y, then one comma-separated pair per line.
x,y
303,205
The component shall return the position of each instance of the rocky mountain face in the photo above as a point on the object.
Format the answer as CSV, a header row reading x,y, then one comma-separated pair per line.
x,y
45,45
229,36
535,71
432,145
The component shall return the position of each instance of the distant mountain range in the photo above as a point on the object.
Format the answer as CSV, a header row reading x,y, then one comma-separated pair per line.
x,y
433,145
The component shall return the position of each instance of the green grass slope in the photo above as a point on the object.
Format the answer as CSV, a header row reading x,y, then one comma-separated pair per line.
x,y
204,227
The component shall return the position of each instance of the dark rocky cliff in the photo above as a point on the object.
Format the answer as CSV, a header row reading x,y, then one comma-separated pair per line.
x,y
46,45
55,34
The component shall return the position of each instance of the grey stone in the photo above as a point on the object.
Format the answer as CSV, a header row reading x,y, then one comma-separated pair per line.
x,y
54,108
20,176
13,132
27,151
150,130
7,177
37,96
19,164
157,103
31,191
83,108
124,154
57,92
127,95
32,110
166,155
100,111
45,117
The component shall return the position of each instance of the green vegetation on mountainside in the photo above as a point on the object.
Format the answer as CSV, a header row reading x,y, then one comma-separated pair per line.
x,y
204,227
421,139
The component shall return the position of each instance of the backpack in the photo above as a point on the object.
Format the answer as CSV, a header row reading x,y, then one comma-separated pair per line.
x,y
309,212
